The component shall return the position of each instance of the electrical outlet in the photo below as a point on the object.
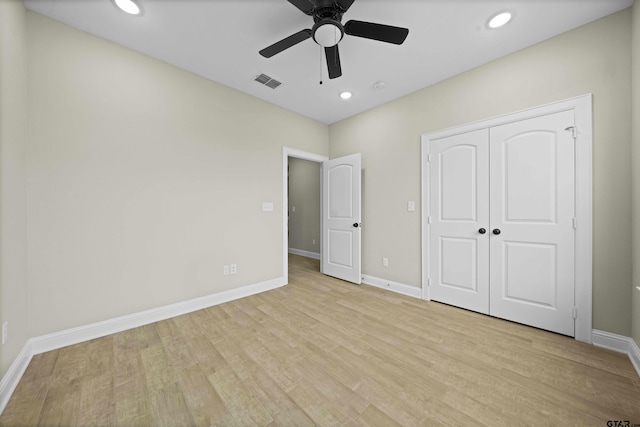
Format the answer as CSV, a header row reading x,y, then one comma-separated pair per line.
x,y
314,241
385,262
226,270
5,332
234,268
411,206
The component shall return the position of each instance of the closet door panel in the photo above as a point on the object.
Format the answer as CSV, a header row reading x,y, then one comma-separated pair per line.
x,y
459,208
531,214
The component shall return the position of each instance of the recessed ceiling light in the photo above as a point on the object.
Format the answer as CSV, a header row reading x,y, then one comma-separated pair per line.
x,y
346,95
379,85
128,6
499,20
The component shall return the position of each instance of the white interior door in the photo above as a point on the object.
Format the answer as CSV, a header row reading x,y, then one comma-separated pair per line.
x,y
532,208
459,220
341,221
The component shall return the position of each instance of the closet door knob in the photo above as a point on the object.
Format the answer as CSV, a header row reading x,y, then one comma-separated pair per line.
x,y
496,231
482,231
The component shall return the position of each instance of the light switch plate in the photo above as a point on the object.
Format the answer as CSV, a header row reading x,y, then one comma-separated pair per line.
x,y
411,206
267,206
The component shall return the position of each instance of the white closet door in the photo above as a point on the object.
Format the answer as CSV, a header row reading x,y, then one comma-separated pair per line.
x,y
532,193
459,210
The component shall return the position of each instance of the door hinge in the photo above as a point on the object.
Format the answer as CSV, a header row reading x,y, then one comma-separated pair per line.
x,y
429,283
429,219
575,223
574,312
573,131
429,158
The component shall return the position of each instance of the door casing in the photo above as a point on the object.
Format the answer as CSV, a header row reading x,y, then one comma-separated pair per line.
x,y
304,155
582,107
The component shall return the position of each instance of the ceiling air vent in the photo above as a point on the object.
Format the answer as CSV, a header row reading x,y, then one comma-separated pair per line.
x,y
267,81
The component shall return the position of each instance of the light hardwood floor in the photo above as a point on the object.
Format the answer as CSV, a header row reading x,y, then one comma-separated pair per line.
x,y
324,352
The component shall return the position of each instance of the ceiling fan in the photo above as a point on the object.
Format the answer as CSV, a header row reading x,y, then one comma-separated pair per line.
x,y
328,30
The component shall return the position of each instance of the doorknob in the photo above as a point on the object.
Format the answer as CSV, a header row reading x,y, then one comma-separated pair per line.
x,y
496,231
482,231
356,225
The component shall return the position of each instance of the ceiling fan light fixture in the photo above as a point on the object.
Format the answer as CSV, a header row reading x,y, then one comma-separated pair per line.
x,y
500,19
328,33
128,6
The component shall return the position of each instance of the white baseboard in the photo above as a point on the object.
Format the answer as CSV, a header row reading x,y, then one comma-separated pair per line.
x,y
314,255
399,288
80,334
618,343
118,324
11,379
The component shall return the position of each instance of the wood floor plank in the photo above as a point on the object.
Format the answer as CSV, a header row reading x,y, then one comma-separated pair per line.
x,y
158,370
133,406
97,401
321,351
239,401
373,417
344,398
283,410
62,405
26,403
169,407
204,403
389,402
41,366
320,409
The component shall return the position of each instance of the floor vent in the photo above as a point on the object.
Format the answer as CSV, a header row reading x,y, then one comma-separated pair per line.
x,y
267,81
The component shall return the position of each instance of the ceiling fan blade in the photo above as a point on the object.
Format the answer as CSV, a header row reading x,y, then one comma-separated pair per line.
x,y
380,32
305,6
333,61
344,5
286,43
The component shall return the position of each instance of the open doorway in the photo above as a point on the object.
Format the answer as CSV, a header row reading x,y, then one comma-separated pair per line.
x,y
304,209
302,221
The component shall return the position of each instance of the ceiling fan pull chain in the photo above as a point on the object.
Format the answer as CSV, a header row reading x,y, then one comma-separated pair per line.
x,y
321,65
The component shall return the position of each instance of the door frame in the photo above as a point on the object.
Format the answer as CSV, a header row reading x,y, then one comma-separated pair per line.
x,y
304,155
582,107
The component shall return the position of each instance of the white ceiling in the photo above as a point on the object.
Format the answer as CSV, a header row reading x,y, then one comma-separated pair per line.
x,y
220,40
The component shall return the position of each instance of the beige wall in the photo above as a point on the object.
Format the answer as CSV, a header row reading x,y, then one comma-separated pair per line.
x,y
13,205
594,59
144,180
635,325
304,194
